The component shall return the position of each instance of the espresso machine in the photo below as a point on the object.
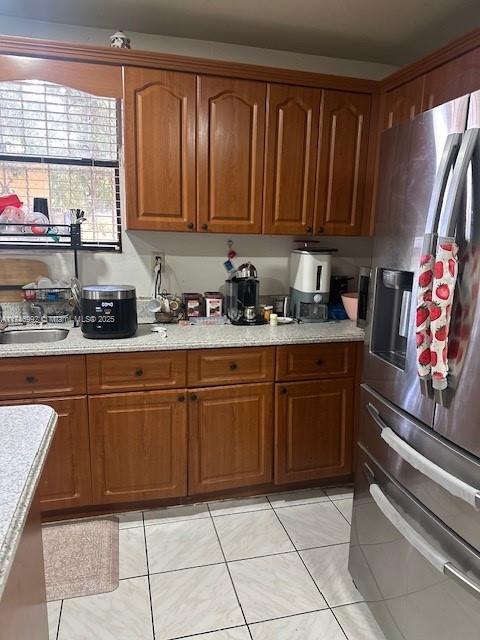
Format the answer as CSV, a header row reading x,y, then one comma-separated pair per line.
x,y
242,296
310,271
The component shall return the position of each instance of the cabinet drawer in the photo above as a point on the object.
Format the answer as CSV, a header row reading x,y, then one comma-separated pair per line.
x,y
37,377
210,367
136,371
306,362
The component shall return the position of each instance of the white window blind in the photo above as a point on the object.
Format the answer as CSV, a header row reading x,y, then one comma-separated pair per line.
x,y
62,144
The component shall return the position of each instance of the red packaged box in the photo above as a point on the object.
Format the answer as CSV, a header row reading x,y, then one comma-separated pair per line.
x,y
11,200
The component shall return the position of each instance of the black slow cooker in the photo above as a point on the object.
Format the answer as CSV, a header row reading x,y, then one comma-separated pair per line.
x,y
108,311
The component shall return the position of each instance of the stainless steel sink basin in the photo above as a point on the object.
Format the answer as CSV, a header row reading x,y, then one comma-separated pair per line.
x,y
31,336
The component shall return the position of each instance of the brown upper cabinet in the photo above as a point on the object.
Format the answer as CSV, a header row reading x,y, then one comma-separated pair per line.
x,y
160,149
342,163
402,103
290,158
230,149
453,79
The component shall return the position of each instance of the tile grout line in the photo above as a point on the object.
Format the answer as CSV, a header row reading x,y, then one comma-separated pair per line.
x,y
338,622
208,633
309,573
59,618
343,516
148,576
229,573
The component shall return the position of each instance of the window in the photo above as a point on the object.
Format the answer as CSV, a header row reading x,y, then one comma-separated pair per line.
x,y
62,144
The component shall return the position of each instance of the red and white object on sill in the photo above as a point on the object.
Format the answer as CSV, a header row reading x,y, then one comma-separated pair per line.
x,y
443,288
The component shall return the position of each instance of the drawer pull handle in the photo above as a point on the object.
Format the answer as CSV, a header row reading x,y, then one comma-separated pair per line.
x,y
283,391
309,229
190,225
319,362
193,397
139,373
204,226
320,230
233,366
31,379
181,398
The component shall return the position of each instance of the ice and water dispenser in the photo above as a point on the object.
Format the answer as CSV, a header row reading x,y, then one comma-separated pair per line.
x,y
393,298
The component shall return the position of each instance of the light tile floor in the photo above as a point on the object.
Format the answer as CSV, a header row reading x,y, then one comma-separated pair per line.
x,y
265,568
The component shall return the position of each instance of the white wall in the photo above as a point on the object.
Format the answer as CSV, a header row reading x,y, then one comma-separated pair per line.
x,y
194,262
198,48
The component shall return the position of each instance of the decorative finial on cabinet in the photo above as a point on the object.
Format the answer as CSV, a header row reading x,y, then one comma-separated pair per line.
x,y
119,40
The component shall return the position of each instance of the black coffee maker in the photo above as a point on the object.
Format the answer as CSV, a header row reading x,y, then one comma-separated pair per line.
x,y
242,296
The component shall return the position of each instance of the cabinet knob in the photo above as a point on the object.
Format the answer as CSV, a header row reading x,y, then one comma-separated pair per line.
x,y
204,226
320,229
193,396
233,366
181,398
139,373
31,379
190,225
283,391
309,229
319,362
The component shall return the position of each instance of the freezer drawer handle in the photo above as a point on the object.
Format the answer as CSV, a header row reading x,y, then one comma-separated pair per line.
x,y
449,482
430,553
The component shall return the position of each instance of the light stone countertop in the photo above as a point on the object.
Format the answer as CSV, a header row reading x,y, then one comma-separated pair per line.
x,y
193,337
26,433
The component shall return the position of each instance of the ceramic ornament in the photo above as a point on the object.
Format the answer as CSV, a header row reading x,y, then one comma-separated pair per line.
x,y
119,40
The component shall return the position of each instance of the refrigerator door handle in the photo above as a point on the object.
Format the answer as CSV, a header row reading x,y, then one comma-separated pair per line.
x,y
447,160
448,221
433,555
446,480
427,260
462,579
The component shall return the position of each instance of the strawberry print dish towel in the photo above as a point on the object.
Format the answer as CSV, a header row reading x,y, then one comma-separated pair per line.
x,y
436,288
424,300
443,288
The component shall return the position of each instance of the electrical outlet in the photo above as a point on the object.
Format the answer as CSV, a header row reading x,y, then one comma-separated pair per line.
x,y
156,256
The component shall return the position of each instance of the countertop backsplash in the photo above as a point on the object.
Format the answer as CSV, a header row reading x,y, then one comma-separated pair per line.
x,y
194,262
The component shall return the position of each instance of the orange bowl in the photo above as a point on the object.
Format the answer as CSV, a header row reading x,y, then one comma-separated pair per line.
x,y
350,302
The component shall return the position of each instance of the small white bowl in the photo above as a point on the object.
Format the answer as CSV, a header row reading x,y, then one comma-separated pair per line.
x,y
350,302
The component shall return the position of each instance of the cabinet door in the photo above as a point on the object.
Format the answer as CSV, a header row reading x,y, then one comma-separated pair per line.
x,y
230,149
452,80
66,478
139,446
290,158
403,103
231,437
160,149
313,430
342,163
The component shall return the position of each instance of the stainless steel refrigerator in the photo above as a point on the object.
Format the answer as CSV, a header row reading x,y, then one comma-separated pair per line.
x,y
415,542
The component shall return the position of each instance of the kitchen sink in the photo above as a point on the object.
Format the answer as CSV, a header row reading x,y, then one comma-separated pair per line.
x,y
30,336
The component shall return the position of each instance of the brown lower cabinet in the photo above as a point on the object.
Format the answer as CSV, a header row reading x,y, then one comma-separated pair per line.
x,y
231,437
239,418
66,478
313,430
23,604
138,444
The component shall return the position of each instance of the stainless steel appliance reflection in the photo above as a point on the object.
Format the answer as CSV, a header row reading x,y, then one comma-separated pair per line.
x,y
415,544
